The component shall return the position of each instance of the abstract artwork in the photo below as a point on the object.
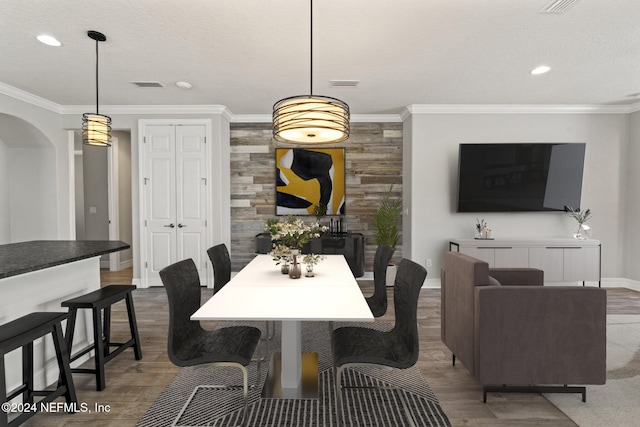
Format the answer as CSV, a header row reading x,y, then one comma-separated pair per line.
x,y
308,177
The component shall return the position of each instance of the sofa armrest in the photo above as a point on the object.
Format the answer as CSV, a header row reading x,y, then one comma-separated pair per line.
x,y
540,335
518,276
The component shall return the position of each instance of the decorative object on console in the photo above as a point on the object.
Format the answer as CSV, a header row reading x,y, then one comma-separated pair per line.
x,y
385,220
310,119
309,181
483,232
387,232
96,127
581,217
320,211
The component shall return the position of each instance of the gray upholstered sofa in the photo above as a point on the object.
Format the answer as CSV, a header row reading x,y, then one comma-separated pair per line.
x,y
519,335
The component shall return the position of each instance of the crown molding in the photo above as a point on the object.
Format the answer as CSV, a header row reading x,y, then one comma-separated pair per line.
x,y
149,109
515,109
29,98
406,112
634,108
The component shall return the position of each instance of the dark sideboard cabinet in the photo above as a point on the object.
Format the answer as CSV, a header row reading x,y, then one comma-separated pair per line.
x,y
351,245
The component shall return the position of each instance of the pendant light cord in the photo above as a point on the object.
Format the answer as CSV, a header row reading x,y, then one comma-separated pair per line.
x,y
311,49
97,112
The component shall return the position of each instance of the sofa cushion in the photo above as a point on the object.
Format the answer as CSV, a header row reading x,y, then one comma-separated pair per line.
x,y
493,281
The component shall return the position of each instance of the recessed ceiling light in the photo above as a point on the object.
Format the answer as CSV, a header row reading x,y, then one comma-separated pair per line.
x,y
540,69
183,85
48,40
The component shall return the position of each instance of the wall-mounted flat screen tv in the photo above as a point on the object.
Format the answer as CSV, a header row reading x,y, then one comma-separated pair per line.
x,y
522,177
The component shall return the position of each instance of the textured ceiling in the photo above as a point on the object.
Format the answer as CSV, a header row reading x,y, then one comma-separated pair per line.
x,y
247,54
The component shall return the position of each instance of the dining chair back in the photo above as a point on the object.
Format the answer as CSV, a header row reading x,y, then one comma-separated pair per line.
x,y
190,345
221,261
378,301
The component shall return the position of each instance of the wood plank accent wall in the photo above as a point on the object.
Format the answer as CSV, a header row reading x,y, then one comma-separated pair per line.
x,y
373,162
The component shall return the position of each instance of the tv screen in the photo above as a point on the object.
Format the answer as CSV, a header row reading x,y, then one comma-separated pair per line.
x,y
524,177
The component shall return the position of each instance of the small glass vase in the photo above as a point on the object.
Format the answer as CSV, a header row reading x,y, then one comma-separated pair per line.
x,y
294,269
284,268
309,272
582,233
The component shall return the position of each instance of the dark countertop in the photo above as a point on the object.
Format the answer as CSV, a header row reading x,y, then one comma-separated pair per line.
x,y
24,257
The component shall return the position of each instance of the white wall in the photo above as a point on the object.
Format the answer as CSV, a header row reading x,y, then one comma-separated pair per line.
x,y
96,199
42,126
5,224
29,208
32,202
124,193
435,139
633,199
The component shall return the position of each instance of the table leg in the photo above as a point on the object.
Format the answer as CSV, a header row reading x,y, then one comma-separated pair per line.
x,y
292,374
291,361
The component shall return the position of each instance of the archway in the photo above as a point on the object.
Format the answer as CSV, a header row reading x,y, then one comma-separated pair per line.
x,y
28,202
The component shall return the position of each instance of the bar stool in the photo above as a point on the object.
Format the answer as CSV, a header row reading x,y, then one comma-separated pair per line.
x,y
99,301
23,332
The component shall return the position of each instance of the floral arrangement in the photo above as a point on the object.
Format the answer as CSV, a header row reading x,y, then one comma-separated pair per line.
x,y
581,218
293,232
312,259
280,254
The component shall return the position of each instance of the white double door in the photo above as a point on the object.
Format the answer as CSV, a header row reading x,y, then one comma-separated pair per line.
x,y
175,198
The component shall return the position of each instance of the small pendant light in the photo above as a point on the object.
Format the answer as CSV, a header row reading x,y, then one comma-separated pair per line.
x,y
96,128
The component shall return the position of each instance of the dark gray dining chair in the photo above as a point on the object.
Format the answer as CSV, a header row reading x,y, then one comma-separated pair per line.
x,y
190,345
221,261
353,346
378,301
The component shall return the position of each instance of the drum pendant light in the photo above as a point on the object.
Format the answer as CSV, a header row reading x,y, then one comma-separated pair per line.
x,y
310,119
96,128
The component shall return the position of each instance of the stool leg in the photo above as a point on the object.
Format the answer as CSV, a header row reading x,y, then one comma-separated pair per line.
x,y
27,372
63,363
71,328
133,325
98,345
4,415
106,327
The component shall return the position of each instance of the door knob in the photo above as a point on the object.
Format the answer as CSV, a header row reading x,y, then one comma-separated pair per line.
x,y
170,225
181,225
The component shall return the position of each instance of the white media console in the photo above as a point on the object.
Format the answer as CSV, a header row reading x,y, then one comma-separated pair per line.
x,y
562,260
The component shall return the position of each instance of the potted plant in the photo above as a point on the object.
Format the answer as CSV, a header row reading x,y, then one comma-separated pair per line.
x,y
387,232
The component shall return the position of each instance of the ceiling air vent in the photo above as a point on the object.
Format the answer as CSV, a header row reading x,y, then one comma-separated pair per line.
x,y
148,84
558,6
344,83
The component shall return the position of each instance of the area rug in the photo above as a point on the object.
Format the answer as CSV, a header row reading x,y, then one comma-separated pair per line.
x,y
363,407
617,403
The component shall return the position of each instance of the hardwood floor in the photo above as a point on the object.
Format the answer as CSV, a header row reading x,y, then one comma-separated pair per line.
x,y
132,386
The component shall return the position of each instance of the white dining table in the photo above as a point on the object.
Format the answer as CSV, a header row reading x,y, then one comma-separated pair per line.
x,y
260,292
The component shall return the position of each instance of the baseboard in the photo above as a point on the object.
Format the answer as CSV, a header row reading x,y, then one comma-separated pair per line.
x,y
620,282
127,263
431,283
